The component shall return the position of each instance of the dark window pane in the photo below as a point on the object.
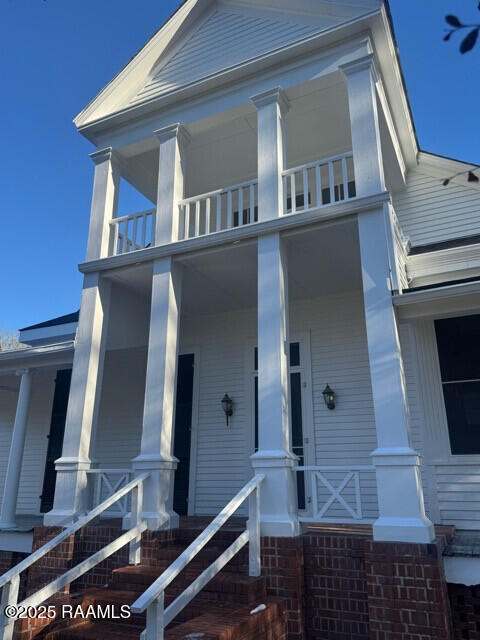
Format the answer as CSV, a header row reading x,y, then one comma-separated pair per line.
x,y
462,403
458,341
295,354
296,400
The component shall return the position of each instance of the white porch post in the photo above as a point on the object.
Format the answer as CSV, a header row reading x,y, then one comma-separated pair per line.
x,y
106,185
173,142
15,457
156,454
83,402
400,494
274,458
272,107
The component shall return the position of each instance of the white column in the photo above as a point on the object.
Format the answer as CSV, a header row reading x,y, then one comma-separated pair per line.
x,y
106,185
156,454
361,80
274,458
83,404
171,177
272,107
14,466
400,495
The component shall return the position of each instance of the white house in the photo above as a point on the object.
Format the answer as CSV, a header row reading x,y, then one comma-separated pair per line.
x,y
299,242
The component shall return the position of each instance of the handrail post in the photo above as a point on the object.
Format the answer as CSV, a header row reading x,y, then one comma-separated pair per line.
x,y
254,552
9,597
137,506
155,619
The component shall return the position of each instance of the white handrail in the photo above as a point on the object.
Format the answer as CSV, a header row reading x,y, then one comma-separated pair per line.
x,y
11,579
153,598
216,192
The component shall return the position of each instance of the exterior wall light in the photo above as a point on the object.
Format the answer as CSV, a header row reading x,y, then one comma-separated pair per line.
x,y
227,406
329,397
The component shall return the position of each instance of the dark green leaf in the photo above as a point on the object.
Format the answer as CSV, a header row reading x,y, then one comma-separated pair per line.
x,y
453,20
446,182
448,36
470,41
472,177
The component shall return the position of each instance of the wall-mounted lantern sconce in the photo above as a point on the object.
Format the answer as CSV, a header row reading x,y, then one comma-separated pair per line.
x,y
227,406
329,397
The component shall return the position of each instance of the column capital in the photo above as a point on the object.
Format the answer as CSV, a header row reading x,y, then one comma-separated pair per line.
x,y
272,96
173,131
360,64
21,372
101,155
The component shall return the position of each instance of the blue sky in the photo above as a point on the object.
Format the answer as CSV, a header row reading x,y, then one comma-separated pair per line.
x,y
55,55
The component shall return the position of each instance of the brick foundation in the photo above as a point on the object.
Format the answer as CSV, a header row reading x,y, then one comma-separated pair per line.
x,y
407,592
465,606
336,584
336,598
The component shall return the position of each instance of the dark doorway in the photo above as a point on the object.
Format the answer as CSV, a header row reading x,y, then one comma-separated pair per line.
x,y
183,431
55,437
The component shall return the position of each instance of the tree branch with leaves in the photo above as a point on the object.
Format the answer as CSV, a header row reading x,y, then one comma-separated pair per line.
x,y
457,26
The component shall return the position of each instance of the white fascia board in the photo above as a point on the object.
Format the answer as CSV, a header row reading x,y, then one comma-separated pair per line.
x,y
196,103
441,167
439,302
43,333
445,263
462,570
346,33
125,84
61,353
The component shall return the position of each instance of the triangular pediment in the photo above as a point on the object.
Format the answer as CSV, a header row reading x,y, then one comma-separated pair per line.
x,y
205,38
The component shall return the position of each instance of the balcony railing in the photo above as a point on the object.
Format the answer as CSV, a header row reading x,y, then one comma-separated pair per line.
x,y
318,183
132,232
307,187
218,210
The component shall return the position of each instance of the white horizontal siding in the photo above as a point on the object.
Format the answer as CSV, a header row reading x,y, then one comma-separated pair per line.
x,y
121,409
225,39
458,489
429,212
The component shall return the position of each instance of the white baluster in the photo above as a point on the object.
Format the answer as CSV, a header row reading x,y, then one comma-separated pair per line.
x,y
9,597
136,510
187,220
254,550
251,216
197,218
219,213
240,207
207,215
229,210
331,180
345,178
155,619
293,193
305,190
318,181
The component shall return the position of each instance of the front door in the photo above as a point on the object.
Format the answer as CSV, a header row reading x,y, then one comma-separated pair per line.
x,y
55,437
183,431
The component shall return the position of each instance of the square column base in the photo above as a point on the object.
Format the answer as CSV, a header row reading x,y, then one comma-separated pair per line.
x,y
157,491
402,515
72,499
278,497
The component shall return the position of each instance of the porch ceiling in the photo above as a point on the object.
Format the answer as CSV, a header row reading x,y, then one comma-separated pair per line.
x,y
322,260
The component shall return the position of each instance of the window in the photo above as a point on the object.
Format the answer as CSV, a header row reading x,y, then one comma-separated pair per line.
x,y
458,343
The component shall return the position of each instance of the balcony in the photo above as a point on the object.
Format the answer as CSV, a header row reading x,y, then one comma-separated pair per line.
x,y
305,188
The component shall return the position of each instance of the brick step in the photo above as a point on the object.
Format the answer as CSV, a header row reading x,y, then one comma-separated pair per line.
x,y
227,585
221,622
204,558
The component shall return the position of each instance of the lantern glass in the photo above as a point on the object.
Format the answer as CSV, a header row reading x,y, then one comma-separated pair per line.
x,y
329,397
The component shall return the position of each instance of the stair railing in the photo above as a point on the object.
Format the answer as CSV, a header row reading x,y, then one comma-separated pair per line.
x,y
153,599
10,581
